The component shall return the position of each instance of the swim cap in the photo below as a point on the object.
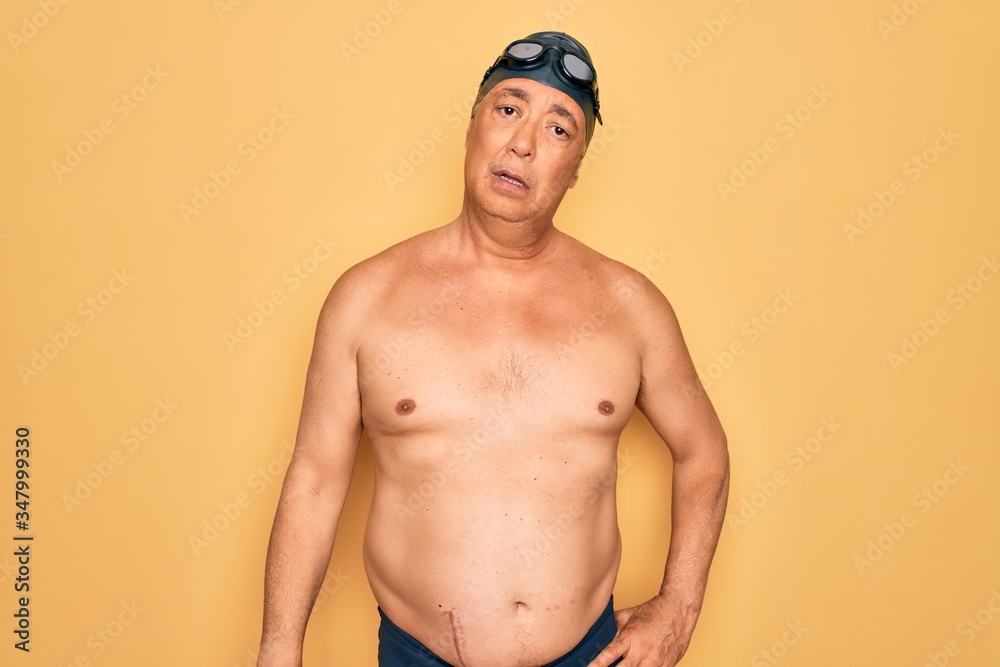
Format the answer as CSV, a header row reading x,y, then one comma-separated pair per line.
x,y
554,59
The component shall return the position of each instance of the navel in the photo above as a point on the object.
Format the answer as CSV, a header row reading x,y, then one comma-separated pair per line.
x,y
606,407
407,406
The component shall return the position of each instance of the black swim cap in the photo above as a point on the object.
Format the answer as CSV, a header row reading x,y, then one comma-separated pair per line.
x,y
554,59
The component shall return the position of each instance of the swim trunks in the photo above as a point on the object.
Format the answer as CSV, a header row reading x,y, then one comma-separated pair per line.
x,y
397,648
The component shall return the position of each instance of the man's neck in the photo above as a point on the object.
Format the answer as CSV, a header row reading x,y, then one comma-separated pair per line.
x,y
503,243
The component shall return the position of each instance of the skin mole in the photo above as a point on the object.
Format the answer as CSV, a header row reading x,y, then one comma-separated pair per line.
x,y
406,406
606,407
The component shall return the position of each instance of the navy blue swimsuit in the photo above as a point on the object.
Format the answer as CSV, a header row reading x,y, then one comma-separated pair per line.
x,y
396,648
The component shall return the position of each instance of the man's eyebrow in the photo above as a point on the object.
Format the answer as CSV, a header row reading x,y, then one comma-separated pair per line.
x,y
519,93
522,94
565,113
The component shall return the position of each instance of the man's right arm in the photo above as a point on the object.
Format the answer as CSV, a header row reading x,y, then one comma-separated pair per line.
x,y
316,483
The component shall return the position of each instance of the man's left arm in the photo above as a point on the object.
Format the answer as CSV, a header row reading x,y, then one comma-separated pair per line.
x,y
657,632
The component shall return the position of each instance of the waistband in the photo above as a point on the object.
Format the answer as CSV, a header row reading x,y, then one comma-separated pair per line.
x,y
397,648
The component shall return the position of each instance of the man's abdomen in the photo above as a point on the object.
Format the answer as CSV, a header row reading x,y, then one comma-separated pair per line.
x,y
505,557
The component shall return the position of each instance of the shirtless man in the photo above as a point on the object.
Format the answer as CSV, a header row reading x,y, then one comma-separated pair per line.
x,y
494,363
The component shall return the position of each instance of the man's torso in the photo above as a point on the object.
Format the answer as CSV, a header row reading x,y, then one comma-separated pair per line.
x,y
493,405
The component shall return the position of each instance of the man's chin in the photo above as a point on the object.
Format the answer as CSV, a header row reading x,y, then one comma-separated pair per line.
x,y
514,216
508,209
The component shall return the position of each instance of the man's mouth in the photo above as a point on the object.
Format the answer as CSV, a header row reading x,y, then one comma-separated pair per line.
x,y
511,178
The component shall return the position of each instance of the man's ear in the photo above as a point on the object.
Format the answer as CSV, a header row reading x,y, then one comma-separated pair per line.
x,y
575,178
576,171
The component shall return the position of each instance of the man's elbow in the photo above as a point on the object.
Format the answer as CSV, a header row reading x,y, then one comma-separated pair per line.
x,y
714,461
307,478
710,450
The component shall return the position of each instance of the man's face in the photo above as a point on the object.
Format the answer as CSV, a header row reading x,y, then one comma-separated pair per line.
x,y
524,148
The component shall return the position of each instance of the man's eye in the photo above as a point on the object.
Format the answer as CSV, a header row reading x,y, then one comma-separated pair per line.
x,y
559,131
507,111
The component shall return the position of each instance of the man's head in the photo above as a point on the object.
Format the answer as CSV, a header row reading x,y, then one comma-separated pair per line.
x,y
554,59
532,121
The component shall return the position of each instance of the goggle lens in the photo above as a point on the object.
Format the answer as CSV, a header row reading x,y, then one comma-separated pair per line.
x,y
525,50
578,68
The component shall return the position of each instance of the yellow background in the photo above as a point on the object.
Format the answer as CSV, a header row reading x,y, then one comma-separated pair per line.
x,y
673,130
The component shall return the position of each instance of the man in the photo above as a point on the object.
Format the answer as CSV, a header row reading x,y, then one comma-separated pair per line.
x,y
493,363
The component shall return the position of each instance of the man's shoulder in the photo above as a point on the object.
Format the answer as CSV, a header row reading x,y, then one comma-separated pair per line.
x,y
362,289
620,278
372,276
640,305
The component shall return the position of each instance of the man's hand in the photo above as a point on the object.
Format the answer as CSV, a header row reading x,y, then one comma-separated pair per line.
x,y
653,634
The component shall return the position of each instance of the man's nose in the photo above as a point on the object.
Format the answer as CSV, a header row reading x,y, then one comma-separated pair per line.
x,y
522,142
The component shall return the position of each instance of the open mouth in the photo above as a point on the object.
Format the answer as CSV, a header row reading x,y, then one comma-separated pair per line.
x,y
511,179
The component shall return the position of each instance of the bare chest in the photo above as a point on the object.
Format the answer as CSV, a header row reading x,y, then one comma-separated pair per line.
x,y
452,361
